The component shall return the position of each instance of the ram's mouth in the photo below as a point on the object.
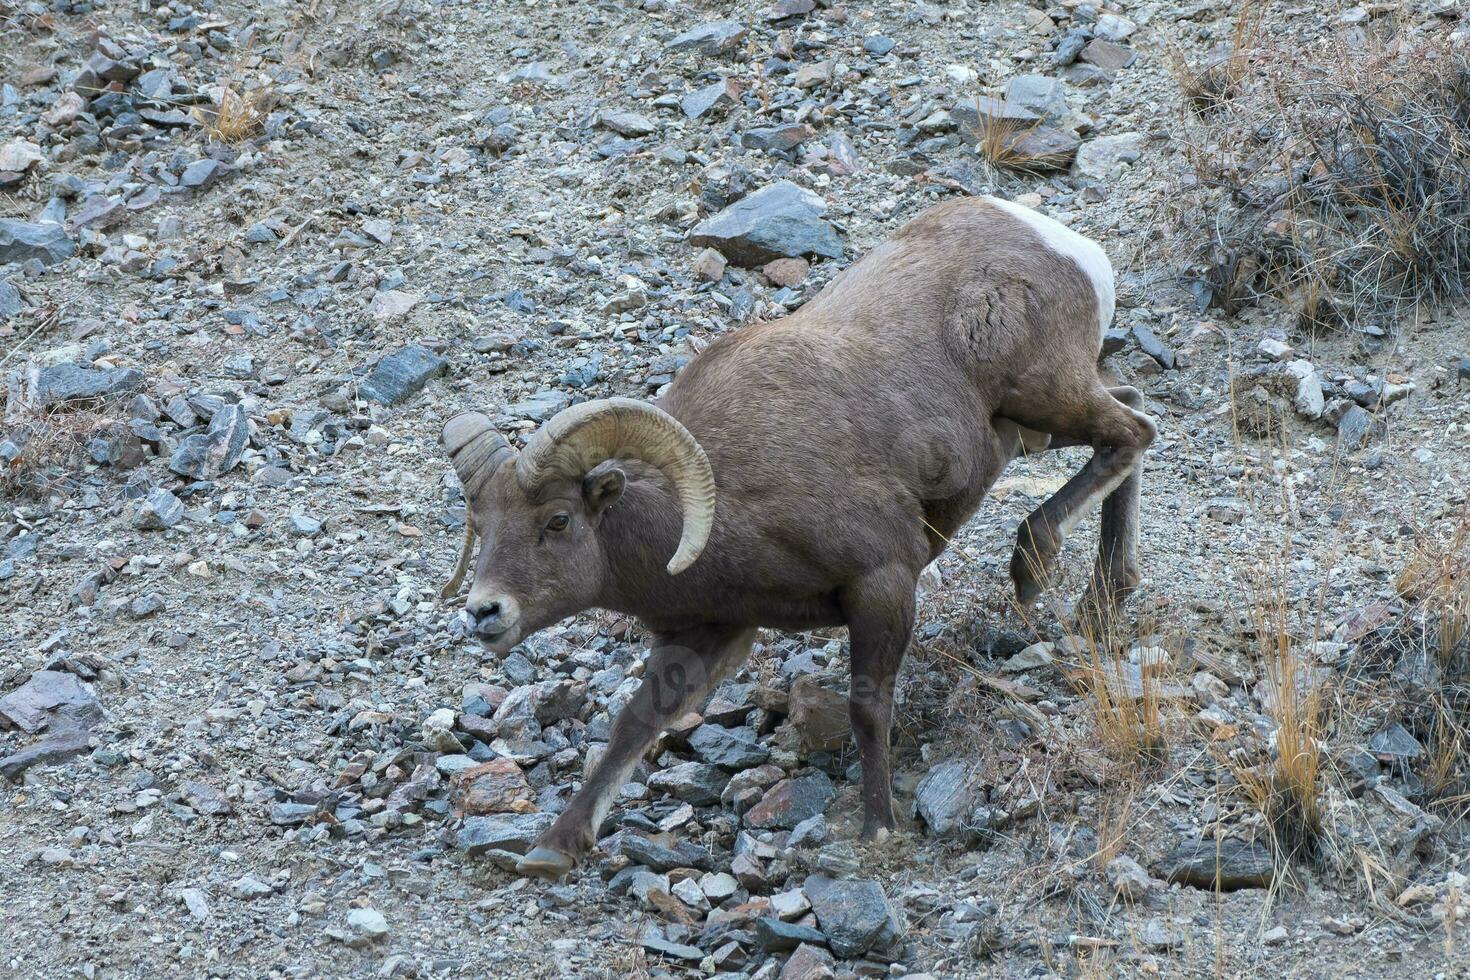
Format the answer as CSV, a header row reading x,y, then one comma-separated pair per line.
x,y
500,643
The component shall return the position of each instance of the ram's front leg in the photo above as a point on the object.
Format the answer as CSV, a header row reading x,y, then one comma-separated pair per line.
x,y
879,609
679,673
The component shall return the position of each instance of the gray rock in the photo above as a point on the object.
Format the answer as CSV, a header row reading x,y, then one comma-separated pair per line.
x,y
1231,865
1158,935
366,926
1394,744
540,406
946,796
1035,655
11,302
54,748
707,98
291,814
630,124
99,211
512,832
33,706
678,951
660,858
1041,94
44,241
1108,55
732,748
402,374
1354,429
213,453
811,832
697,783
855,915
146,605
1128,878
780,220
247,888
67,382
777,139
715,37
1098,157
260,234
1151,345
304,526
202,173
878,45
774,936
159,511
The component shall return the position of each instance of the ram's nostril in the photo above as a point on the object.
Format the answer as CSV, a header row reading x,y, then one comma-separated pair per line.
x,y
490,610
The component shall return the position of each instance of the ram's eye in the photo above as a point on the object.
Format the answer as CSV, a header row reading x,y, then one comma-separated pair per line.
x,y
558,523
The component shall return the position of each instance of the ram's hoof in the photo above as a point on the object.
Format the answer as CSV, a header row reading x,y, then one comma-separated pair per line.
x,y
544,862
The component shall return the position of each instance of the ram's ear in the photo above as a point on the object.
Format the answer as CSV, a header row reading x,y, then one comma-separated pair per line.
x,y
602,488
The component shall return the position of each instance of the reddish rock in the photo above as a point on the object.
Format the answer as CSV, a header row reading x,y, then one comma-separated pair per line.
x,y
786,272
790,802
497,786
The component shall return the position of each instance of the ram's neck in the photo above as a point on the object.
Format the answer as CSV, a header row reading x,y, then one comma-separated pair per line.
x,y
639,534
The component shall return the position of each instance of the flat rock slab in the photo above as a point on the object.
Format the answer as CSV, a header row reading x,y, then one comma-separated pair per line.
x,y
661,858
32,706
854,915
48,751
696,783
45,241
775,936
778,221
512,832
58,384
402,374
715,37
1229,865
213,453
732,748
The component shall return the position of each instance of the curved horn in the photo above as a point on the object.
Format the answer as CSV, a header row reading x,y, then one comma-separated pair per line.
x,y
578,438
475,449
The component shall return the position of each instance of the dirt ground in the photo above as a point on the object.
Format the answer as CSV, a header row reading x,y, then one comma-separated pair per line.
x,y
290,623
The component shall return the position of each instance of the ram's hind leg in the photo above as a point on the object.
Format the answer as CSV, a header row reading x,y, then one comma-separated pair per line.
x,y
681,670
1116,574
1118,435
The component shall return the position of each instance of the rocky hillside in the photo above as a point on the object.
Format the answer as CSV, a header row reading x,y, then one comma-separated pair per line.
x,y
253,255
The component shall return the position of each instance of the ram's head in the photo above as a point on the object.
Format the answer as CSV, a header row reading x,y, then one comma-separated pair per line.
x,y
537,512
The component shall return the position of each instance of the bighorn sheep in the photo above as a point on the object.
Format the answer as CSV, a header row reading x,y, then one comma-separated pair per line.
x,y
802,472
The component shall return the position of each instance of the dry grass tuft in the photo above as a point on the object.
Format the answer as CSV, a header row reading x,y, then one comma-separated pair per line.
x,y
1034,149
238,116
1437,578
1286,788
1334,179
1126,690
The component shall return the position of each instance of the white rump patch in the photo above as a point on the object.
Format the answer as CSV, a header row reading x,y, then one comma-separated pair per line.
x,y
1084,252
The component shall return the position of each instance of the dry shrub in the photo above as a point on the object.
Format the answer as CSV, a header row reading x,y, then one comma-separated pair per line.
x,y
50,443
1334,178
